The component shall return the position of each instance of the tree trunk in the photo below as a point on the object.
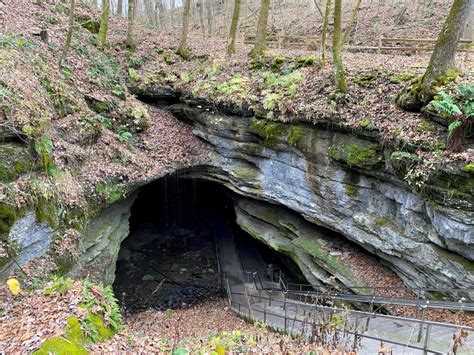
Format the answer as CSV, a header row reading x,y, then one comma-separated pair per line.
x,y
70,31
352,21
339,76
233,28
131,18
261,36
182,49
120,8
162,15
200,10
325,29
441,68
104,24
172,15
210,17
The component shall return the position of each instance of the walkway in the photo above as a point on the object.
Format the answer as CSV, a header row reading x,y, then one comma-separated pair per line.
x,y
267,302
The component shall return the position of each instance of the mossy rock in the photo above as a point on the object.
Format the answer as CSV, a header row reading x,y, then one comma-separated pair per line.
x,y
15,160
355,152
351,190
270,131
7,217
296,134
367,79
89,24
402,161
97,105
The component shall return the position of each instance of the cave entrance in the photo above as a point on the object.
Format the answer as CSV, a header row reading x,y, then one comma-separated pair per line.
x,y
169,260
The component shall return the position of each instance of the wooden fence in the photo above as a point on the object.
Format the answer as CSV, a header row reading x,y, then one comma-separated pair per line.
x,y
384,44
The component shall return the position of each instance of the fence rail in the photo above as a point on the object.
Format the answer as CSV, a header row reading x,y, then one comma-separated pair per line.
x,y
383,43
325,292
356,323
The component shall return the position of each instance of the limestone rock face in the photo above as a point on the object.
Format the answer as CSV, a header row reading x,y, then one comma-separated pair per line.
x,y
30,239
101,242
345,183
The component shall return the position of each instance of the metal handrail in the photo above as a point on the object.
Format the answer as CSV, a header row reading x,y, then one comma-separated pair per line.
x,y
401,301
425,325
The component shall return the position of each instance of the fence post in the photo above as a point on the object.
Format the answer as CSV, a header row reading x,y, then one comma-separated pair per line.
x,y
427,338
286,311
423,313
265,312
379,50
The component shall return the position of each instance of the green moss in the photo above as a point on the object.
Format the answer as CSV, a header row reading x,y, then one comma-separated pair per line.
x,y
271,132
46,211
367,79
305,61
7,217
382,222
355,153
397,79
246,173
89,24
296,134
449,76
102,331
455,258
278,62
365,123
327,261
351,190
426,126
168,57
91,330
110,191
60,346
469,168
15,160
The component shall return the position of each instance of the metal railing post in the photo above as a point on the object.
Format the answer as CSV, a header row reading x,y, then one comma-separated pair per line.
x,y
286,311
265,311
420,332
427,339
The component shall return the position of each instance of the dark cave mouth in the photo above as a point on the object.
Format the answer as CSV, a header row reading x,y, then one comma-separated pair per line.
x,y
169,260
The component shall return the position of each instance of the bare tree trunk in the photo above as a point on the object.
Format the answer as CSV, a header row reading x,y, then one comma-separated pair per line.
x,y
261,36
350,25
131,18
120,8
162,15
104,24
441,68
182,49
325,29
338,68
200,10
172,6
210,17
233,28
70,31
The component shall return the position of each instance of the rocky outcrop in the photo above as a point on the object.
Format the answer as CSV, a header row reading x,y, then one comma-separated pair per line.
x,y
28,240
346,183
101,242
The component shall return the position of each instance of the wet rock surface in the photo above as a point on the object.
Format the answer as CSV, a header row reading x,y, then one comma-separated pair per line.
x,y
347,184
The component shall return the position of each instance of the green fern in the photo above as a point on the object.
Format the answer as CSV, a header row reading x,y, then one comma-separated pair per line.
x,y
60,286
446,104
